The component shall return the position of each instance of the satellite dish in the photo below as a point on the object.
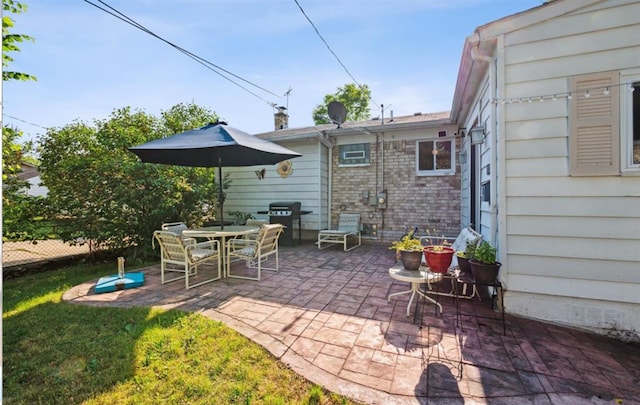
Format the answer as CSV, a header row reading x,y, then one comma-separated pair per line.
x,y
337,112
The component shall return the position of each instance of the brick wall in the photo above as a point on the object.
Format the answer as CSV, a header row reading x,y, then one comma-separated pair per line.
x,y
429,202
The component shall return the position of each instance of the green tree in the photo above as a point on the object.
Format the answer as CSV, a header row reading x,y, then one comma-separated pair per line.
x,y
18,209
183,117
11,158
10,41
355,99
106,195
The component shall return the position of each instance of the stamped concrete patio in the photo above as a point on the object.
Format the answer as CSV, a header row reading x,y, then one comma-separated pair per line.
x,y
326,315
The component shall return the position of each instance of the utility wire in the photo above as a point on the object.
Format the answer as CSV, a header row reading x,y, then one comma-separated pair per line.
x,y
26,122
204,62
331,50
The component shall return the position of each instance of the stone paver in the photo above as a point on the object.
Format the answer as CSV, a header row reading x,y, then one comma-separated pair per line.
x,y
326,315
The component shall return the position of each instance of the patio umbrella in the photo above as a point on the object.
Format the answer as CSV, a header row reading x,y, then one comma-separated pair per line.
x,y
214,145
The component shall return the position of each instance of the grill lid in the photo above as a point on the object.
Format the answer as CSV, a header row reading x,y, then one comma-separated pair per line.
x,y
285,206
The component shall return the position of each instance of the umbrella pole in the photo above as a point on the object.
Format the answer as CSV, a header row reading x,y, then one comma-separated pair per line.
x,y
220,194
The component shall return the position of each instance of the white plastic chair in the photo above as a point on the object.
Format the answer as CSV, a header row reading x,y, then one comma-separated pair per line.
x,y
466,235
255,252
181,257
348,226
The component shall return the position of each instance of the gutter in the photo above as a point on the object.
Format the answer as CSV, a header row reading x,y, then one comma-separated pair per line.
x,y
320,136
372,129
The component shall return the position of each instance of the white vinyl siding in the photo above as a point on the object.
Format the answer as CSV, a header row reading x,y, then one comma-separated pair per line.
x,y
250,194
567,218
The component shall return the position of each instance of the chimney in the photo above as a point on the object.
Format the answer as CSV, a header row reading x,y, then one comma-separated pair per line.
x,y
281,118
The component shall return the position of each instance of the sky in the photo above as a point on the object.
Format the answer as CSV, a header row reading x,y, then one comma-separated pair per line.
x,y
89,63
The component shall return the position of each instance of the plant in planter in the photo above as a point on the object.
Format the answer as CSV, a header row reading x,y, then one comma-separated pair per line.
x,y
438,256
484,266
409,251
241,217
465,255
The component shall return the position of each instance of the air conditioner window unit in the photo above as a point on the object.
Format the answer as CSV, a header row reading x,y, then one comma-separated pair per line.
x,y
353,154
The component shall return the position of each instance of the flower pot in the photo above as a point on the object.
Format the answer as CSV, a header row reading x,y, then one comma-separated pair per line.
x,y
411,260
484,273
465,267
438,260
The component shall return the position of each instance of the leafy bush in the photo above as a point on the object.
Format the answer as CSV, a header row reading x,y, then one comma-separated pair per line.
x,y
23,218
109,196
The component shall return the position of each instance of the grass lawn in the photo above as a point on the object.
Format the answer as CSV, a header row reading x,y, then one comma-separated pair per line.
x,y
59,353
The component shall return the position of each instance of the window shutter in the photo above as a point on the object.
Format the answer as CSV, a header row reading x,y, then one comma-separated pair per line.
x,y
594,133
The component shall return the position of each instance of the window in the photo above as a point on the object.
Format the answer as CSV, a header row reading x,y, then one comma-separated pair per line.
x,y
635,114
630,128
434,158
356,154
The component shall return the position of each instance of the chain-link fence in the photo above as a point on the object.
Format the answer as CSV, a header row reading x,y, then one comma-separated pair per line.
x,y
27,252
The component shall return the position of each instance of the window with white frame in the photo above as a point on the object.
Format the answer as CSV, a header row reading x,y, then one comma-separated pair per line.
x,y
435,157
630,128
356,154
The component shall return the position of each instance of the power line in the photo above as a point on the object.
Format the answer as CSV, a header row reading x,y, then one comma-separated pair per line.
x,y
26,122
331,50
204,62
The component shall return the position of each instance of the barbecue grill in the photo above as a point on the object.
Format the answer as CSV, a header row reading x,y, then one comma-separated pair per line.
x,y
286,213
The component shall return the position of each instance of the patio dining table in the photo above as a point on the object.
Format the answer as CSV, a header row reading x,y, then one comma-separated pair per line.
x,y
216,232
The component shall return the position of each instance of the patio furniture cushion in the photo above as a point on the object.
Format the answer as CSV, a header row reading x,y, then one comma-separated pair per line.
x,y
178,228
175,227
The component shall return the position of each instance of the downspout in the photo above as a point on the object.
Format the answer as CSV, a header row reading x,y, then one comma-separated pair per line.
x,y
382,211
324,139
329,185
493,163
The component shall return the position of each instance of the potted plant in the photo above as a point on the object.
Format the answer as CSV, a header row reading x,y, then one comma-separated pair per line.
x,y
409,251
438,256
241,217
463,257
484,266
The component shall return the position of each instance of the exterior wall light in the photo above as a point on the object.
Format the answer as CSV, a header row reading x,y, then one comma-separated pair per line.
x,y
477,135
462,157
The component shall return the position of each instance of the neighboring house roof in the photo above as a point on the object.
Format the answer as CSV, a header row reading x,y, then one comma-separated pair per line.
x,y
372,125
28,171
483,41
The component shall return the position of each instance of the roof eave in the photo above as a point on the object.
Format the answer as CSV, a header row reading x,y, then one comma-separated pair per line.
x,y
470,74
390,127
484,40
